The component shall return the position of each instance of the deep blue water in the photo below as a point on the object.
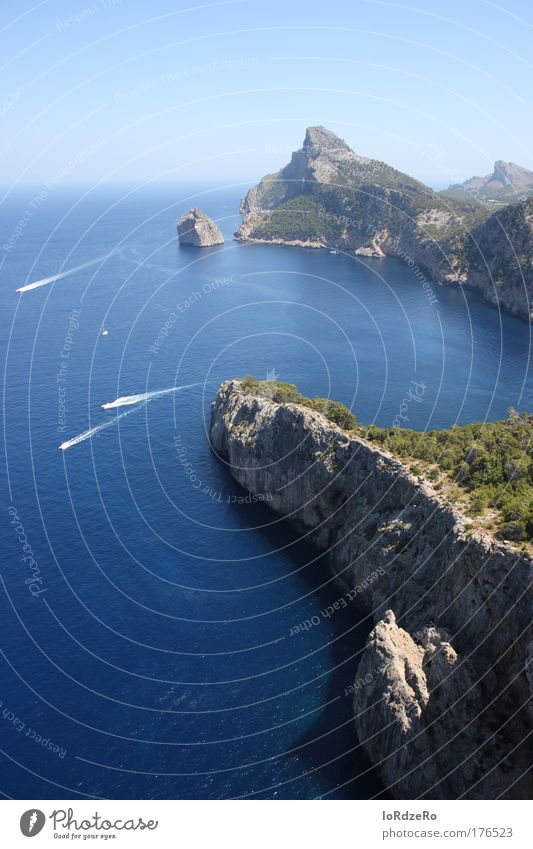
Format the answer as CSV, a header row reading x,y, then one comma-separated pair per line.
x,y
158,655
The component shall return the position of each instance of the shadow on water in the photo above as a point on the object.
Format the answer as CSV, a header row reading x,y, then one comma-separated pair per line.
x,y
329,747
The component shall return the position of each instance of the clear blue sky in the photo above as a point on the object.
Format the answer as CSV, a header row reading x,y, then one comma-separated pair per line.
x,y
129,90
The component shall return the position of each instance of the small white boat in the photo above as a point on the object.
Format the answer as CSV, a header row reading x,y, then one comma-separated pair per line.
x,y
105,332
333,252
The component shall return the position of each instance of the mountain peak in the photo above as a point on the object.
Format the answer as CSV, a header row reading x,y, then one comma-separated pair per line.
x,y
319,139
511,175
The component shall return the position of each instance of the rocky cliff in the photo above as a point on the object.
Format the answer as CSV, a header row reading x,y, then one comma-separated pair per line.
x,y
445,708
329,196
501,251
197,229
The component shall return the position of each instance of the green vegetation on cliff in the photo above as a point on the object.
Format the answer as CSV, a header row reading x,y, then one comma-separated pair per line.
x,y
487,468
299,219
287,393
491,462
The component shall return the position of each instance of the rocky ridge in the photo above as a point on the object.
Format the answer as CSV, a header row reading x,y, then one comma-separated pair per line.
x,y
329,196
507,182
446,708
197,229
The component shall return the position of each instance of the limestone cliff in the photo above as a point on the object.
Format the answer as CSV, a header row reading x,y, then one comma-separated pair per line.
x,y
501,251
329,196
197,229
446,708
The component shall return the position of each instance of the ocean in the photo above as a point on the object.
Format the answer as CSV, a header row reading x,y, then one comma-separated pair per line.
x,y
150,610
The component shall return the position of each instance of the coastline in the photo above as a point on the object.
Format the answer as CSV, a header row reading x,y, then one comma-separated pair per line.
x,y
473,291
447,658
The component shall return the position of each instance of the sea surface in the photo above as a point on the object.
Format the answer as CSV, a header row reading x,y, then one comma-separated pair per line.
x,y
149,646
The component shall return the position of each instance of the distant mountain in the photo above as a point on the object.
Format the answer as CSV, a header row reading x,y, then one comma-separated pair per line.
x,y
329,196
329,192
508,182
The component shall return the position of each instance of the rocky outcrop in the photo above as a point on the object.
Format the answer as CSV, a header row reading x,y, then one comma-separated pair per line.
x,y
372,249
418,716
445,711
197,229
329,196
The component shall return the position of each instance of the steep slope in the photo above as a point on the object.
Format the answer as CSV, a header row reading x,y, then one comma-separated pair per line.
x,y
499,258
442,694
329,196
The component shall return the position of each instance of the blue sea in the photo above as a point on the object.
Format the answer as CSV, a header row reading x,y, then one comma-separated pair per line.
x,y
149,646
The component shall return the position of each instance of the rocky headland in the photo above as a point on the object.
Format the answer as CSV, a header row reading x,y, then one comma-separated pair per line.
x,y
329,196
445,708
197,229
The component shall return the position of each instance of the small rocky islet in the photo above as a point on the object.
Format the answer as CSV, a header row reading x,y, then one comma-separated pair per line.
x,y
195,228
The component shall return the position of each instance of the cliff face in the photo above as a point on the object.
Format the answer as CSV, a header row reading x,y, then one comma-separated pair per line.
x,y
445,709
329,196
501,250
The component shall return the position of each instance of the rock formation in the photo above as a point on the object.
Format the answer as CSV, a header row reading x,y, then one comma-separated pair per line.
x,y
197,229
446,710
508,182
501,251
329,196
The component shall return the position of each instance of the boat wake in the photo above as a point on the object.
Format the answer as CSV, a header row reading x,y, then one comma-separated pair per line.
x,y
127,400
62,274
88,434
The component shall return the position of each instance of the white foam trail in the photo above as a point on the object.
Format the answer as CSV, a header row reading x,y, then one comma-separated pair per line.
x,y
63,274
88,434
126,400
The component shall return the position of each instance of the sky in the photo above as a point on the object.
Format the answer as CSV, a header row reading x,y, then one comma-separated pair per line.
x,y
124,90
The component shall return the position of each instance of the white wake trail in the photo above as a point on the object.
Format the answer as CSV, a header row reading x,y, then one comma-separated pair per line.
x,y
88,434
62,274
126,400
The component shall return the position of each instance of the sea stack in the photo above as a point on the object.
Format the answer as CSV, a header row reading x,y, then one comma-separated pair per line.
x,y
197,229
